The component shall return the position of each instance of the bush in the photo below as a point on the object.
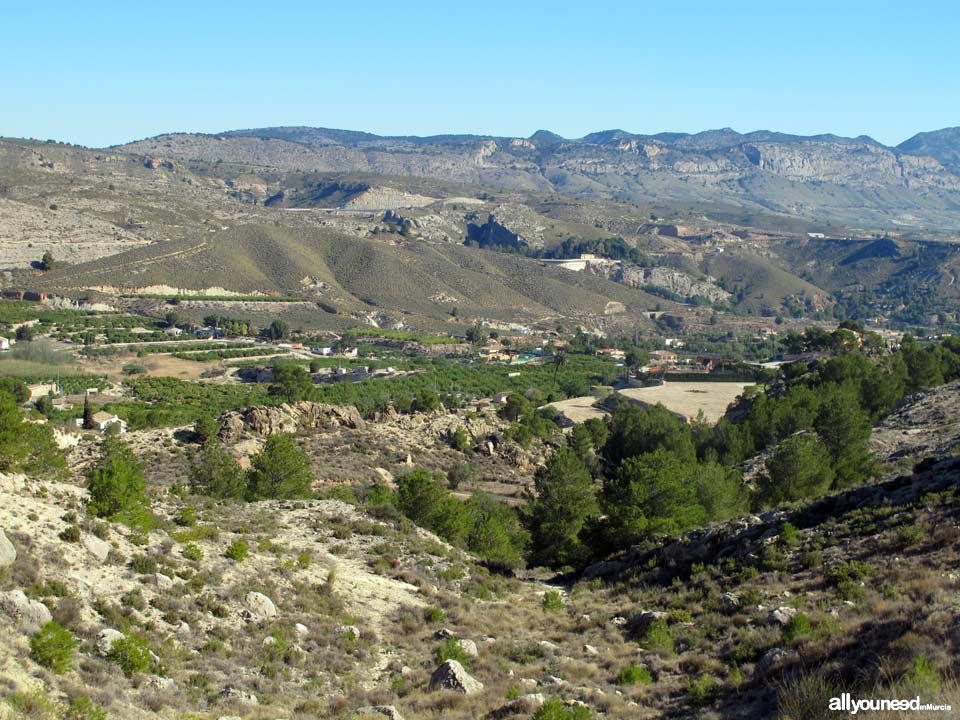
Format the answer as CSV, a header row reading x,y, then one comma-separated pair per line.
x,y
552,601
216,473
701,691
658,638
132,654
83,708
193,552
460,440
434,615
459,474
143,564
450,649
554,709
70,534
798,627
53,646
238,550
634,674
206,428
922,677
789,535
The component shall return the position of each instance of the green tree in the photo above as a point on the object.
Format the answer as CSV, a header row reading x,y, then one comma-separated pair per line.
x,y
206,428
426,401
292,382
216,473
845,429
25,446
281,470
637,430
47,262
278,330
516,407
87,413
24,333
800,468
116,482
496,535
563,503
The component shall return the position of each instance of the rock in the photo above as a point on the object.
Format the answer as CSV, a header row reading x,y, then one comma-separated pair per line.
x,y
387,711
30,614
160,683
184,629
590,650
618,620
105,640
232,694
452,676
348,630
469,648
547,645
781,616
8,553
443,634
524,705
268,641
730,601
259,607
100,549
774,659
552,681
265,421
301,630
163,582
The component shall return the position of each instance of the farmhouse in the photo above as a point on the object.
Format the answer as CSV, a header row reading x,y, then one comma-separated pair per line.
x,y
102,420
663,356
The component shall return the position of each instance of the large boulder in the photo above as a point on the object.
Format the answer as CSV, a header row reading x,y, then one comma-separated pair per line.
x,y
452,676
469,647
774,659
31,615
259,607
8,553
264,420
100,549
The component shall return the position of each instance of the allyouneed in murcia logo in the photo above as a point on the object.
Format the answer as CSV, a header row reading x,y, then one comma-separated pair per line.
x,y
849,704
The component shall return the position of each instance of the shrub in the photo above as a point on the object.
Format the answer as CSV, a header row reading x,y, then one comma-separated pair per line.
x,y
215,472
304,559
53,646
701,691
922,677
789,535
132,654
143,564
187,517
798,627
459,474
83,708
193,552
460,439
450,649
658,638
554,709
70,534
634,674
206,428
552,601
435,615
238,550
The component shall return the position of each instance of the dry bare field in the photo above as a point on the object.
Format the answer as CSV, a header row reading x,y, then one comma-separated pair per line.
x,y
688,398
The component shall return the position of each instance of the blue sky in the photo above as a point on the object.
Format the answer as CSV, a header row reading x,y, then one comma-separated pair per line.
x,y
104,73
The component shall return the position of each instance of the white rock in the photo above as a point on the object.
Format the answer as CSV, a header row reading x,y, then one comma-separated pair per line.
x,y
8,553
782,616
387,711
351,630
30,614
452,676
100,549
105,640
259,607
469,647
232,694
547,645
590,650
301,629
163,582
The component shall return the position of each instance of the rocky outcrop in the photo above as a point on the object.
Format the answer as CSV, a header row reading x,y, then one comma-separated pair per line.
x,y
259,607
673,281
264,420
29,614
452,676
8,553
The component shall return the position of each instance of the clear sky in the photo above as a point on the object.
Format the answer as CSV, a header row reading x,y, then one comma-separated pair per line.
x,y
101,73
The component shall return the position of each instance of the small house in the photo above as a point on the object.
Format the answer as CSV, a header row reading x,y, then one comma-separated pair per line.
x,y
103,420
173,331
663,356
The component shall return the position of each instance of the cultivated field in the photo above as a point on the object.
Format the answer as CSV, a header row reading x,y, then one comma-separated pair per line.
x,y
689,398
